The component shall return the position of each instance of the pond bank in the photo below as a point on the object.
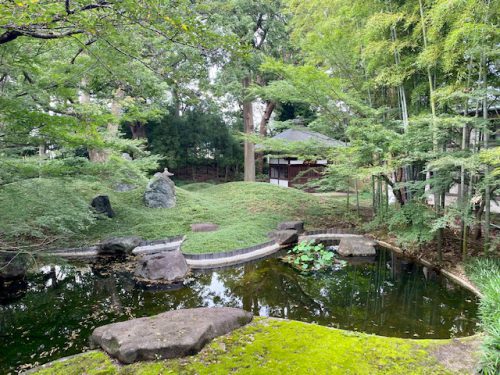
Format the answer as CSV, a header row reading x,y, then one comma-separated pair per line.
x,y
275,346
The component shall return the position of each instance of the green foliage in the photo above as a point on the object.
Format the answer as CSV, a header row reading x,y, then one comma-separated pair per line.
x,y
197,137
310,256
43,210
412,224
486,275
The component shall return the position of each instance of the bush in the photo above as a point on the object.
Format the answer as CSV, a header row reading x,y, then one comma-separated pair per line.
x,y
412,224
486,274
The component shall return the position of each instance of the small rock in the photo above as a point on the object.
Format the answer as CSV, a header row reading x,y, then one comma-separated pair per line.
x,y
172,334
356,247
204,227
127,156
102,205
292,225
118,245
285,237
166,266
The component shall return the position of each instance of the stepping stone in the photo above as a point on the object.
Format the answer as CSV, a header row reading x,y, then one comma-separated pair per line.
x,y
118,245
292,225
204,227
285,237
171,334
356,247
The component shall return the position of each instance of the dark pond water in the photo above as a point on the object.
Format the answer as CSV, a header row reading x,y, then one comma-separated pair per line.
x,y
58,309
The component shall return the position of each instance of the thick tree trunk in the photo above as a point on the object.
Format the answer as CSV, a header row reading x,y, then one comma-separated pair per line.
x,y
138,131
249,147
270,105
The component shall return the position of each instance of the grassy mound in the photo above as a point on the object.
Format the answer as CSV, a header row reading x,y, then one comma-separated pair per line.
x,y
196,186
270,346
56,211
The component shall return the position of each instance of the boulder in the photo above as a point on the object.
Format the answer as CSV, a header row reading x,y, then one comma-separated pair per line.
x,y
160,191
204,227
171,334
13,265
102,205
292,225
356,247
285,237
166,266
118,245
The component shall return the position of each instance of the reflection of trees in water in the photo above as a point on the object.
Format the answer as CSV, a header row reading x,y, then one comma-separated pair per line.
x,y
389,296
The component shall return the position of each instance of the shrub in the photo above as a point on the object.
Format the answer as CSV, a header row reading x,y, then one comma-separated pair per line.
x,y
486,274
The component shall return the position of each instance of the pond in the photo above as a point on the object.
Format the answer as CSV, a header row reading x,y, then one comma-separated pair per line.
x,y
57,310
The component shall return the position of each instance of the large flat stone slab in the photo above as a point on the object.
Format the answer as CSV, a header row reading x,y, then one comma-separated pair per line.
x,y
171,334
356,247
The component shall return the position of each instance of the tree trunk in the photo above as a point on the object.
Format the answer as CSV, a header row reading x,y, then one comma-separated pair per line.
x,y
434,130
357,195
486,138
270,105
249,147
138,131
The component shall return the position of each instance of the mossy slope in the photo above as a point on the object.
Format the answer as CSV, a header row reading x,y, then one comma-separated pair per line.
x,y
245,212
270,346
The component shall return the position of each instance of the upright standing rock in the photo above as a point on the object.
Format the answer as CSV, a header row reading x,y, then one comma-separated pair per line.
x,y
160,192
102,205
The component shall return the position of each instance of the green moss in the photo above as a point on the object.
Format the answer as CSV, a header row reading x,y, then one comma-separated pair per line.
x,y
270,346
90,363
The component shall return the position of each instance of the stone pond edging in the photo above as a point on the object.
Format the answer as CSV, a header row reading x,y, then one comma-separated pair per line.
x,y
169,243
247,254
232,257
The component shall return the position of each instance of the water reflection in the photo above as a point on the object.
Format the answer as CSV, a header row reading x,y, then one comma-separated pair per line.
x,y
385,295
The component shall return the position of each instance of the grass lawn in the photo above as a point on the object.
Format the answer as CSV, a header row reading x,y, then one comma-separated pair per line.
x,y
271,346
245,212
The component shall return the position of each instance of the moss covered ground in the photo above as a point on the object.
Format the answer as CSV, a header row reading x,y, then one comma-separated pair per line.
x,y
271,346
55,210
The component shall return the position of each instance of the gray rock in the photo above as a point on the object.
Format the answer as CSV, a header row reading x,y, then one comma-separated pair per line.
x,y
160,192
284,237
118,245
13,265
126,156
171,334
292,225
204,227
356,247
165,266
102,205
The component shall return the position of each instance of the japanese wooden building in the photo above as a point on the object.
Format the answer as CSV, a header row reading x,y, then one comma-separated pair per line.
x,y
289,171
